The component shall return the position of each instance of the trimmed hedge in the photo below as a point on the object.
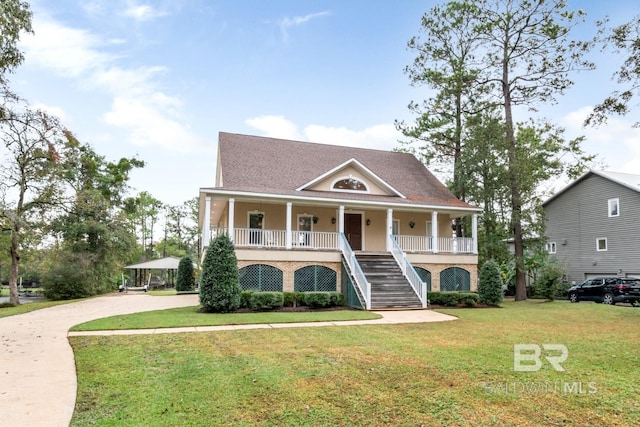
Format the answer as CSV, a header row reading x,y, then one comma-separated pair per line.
x,y
245,296
452,299
266,300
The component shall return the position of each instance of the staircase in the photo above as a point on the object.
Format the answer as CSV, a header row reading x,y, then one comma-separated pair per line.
x,y
389,288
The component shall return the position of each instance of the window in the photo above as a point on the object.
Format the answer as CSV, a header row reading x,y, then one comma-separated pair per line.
x,y
350,184
395,227
601,244
551,247
614,207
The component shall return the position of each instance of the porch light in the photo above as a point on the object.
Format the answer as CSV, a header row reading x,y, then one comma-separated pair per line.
x,y
368,222
315,219
333,220
412,224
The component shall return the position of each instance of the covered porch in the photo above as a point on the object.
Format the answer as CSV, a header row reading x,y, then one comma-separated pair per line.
x,y
300,225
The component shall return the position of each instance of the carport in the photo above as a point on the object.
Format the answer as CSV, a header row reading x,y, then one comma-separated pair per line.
x,y
153,274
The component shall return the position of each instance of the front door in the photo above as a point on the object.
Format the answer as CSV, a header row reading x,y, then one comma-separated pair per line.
x,y
353,230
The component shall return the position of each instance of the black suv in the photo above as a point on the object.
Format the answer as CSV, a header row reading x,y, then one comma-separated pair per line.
x,y
607,290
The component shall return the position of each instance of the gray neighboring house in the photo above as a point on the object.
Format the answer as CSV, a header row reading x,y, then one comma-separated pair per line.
x,y
593,226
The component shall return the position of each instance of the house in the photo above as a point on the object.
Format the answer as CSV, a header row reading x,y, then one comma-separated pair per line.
x,y
592,226
372,224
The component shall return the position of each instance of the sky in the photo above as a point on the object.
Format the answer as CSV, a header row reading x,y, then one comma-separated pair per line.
x,y
159,79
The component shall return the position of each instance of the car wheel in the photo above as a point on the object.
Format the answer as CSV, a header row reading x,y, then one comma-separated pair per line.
x,y
608,299
573,298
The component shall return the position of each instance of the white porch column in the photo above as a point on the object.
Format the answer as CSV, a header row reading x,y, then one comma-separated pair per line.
x,y
434,231
389,229
474,232
232,214
288,235
341,219
206,222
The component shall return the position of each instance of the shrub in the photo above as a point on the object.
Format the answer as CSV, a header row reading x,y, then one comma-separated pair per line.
x,y
317,299
548,282
67,280
336,299
299,299
245,297
266,300
470,299
6,304
289,299
185,280
450,299
219,287
490,287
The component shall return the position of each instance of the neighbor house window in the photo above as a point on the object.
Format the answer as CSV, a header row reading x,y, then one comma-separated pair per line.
x,y
601,244
551,247
614,207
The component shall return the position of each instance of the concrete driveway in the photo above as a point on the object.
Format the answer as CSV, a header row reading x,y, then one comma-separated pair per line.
x,y
37,368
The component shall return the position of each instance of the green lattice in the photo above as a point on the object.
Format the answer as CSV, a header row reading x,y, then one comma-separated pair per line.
x,y
455,279
425,276
348,290
260,277
314,278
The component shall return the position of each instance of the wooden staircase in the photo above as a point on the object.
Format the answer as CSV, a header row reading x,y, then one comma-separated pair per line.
x,y
389,288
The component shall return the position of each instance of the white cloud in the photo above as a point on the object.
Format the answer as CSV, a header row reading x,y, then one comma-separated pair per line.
x,y
275,127
381,137
142,12
53,110
68,51
289,22
148,124
616,144
149,116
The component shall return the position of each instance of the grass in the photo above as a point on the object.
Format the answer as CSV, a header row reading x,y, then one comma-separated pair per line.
x,y
437,374
189,316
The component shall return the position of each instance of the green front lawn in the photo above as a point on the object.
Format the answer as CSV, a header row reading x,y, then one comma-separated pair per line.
x,y
189,316
434,374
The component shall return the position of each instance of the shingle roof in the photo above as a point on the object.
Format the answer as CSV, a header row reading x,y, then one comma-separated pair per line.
x,y
279,166
628,180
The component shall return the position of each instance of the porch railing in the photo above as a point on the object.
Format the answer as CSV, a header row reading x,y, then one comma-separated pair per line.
x,y
354,266
419,287
463,245
256,237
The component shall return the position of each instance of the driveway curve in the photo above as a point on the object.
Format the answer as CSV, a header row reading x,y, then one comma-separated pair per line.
x,y
38,380
37,368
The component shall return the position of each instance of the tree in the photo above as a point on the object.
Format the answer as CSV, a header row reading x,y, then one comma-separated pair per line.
x,y
445,63
185,280
143,212
15,17
525,58
219,286
93,227
621,40
490,284
29,188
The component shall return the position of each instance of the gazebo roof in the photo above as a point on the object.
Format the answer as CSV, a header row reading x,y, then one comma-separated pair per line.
x,y
168,263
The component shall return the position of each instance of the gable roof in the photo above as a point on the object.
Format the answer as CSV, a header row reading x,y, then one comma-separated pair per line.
x,y
256,164
628,180
352,162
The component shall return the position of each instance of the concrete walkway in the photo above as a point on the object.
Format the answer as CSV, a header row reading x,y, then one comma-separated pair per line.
x,y
37,367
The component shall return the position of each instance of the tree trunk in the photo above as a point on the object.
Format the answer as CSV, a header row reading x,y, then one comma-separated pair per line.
x,y
14,298
514,185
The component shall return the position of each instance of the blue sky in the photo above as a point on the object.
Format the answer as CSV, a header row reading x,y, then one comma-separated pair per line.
x,y
160,78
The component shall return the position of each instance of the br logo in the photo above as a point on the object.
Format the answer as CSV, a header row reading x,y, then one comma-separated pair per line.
x,y
527,357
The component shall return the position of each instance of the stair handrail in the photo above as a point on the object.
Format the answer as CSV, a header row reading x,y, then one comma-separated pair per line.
x,y
356,271
419,287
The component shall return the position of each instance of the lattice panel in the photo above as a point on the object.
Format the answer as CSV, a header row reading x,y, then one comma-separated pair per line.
x,y
315,278
425,276
348,290
455,279
261,277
